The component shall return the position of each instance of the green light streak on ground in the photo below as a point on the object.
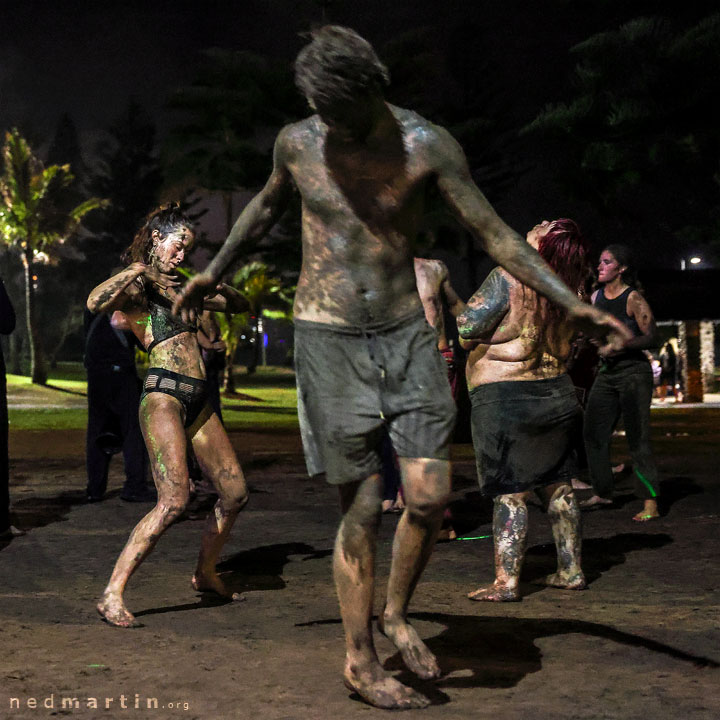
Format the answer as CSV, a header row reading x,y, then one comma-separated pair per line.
x,y
477,537
645,482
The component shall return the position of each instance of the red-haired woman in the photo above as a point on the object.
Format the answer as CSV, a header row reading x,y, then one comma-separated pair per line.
x,y
174,408
524,409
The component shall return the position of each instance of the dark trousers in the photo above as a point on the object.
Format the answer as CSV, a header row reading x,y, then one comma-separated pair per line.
x,y
4,462
624,390
113,423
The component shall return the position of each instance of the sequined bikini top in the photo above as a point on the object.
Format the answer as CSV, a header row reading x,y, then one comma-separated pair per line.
x,y
164,324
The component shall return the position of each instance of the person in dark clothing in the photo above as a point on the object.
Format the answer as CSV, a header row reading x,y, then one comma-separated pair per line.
x,y
113,391
7,325
623,386
668,372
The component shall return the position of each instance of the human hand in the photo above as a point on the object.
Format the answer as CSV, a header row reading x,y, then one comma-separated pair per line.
x,y
600,325
161,279
188,303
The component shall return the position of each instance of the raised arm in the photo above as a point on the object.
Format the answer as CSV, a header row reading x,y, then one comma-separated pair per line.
x,y
453,300
259,215
120,289
505,246
484,310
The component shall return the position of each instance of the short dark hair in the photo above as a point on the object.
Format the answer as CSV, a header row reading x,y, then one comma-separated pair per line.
x,y
165,219
338,66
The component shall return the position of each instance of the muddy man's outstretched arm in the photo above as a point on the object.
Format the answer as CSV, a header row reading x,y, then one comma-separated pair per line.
x,y
260,214
505,246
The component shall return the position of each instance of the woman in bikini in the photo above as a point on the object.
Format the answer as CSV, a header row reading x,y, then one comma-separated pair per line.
x,y
173,407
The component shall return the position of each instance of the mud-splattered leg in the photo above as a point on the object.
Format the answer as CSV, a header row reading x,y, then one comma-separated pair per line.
x,y
354,572
161,422
510,525
426,484
218,462
565,519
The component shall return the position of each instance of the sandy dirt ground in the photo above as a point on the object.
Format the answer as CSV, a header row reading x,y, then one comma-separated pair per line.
x,y
641,643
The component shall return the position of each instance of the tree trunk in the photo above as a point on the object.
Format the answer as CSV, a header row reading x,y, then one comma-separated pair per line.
x,y
229,379
689,342
38,369
16,353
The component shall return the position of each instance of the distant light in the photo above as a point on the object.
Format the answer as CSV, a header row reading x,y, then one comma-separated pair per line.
x,y
695,260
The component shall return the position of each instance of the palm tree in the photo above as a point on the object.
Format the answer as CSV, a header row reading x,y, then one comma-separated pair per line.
x,y
33,222
268,298
222,115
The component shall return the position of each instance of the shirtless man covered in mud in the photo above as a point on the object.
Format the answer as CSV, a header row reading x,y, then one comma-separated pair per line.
x,y
365,356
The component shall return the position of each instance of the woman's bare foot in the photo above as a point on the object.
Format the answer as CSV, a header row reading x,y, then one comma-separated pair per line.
x,y
415,653
578,484
617,469
495,593
387,506
378,688
113,611
649,512
595,501
564,582
211,583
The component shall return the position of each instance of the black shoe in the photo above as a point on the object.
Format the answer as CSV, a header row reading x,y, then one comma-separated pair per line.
x,y
144,495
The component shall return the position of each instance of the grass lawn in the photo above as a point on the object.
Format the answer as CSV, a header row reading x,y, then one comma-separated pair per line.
x,y
265,401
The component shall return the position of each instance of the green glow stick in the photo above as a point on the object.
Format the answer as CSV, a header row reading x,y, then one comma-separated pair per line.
x,y
647,484
477,537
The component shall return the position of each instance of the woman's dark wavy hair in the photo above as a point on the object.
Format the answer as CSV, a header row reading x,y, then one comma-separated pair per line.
x,y
165,219
566,251
624,255
338,66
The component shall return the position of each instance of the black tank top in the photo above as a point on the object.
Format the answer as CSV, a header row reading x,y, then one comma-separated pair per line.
x,y
164,324
617,307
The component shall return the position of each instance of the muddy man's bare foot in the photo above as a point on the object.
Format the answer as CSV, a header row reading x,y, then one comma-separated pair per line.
x,y
113,611
211,583
495,593
378,688
564,582
595,501
415,653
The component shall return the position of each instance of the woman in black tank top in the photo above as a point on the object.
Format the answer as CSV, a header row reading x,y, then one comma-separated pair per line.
x,y
174,409
623,386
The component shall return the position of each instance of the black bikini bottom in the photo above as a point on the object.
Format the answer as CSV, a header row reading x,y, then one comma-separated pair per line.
x,y
191,392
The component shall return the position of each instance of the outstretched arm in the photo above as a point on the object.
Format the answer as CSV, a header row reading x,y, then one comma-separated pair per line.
x,y
484,310
259,215
506,247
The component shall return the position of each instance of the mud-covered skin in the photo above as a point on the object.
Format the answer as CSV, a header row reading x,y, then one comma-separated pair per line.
x,y
500,329
510,527
362,201
434,288
363,180
162,419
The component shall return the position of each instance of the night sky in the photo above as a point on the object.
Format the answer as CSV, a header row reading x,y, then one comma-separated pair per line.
x,y
88,59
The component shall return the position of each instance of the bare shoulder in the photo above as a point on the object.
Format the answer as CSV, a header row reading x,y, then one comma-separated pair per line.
x,y
297,136
419,133
636,301
432,268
